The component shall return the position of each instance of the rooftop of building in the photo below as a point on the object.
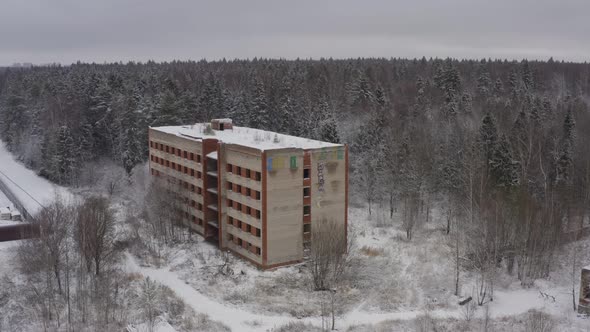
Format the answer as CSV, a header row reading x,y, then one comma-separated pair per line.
x,y
250,137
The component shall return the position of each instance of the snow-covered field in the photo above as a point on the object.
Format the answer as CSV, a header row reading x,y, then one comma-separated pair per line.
x,y
33,191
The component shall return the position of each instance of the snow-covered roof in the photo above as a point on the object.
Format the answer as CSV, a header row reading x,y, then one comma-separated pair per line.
x,y
587,268
224,120
4,209
254,138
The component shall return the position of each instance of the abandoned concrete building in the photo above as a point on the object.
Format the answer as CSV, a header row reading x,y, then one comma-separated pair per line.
x,y
253,192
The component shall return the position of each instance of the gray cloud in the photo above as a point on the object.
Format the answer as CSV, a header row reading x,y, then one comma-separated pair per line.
x,y
65,31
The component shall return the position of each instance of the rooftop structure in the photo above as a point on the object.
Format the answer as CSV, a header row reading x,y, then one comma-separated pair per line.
x,y
253,192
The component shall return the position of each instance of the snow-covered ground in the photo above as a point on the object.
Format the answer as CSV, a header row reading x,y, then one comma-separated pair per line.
x,y
401,281
32,190
4,200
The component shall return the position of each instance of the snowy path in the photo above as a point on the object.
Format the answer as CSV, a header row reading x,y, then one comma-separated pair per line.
x,y
506,303
30,189
235,318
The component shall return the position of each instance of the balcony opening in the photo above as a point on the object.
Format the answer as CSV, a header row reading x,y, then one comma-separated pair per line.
x,y
306,192
306,173
306,210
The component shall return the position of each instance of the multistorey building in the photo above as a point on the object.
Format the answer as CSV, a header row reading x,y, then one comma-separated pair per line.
x,y
253,192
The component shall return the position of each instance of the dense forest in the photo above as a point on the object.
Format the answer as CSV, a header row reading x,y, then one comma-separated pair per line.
x,y
502,143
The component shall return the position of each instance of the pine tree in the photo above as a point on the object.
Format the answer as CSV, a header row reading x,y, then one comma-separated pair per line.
x,y
421,102
131,145
484,83
380,99
360,93
66,154
97,118
48,167
187,107
503,167
13,118
211,100
448,80
488,138
569,126
86,143
259,112
238,110
328,130
564,162
527,76
167,110
498,88
513,84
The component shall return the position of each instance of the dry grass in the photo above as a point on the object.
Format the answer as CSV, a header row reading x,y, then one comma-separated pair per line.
x,y
134,276
371,252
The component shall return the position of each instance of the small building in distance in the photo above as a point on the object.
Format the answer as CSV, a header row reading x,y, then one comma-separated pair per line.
x,y
584,305
253,192
5,213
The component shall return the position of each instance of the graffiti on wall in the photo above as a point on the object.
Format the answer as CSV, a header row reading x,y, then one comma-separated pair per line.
x,y
321,183
331,154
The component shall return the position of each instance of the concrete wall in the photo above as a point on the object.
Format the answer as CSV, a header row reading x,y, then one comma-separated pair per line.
x,y
185,144
584,305
246,158
284,206
329,184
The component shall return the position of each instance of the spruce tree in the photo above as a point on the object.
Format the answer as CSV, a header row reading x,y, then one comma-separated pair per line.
x,y
66,156
259,112
564,162
131,144
503,167
488,138
167,110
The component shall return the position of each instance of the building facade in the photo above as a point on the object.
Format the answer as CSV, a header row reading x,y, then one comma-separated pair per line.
x,y
253,192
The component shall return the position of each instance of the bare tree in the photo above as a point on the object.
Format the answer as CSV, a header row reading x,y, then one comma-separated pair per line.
x,y
164,206
113,179
95,231
411,209
45,261
328,258
53,223
148,301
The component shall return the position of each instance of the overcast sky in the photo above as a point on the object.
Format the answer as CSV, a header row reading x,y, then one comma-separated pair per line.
x,y
64,31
